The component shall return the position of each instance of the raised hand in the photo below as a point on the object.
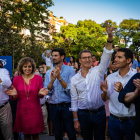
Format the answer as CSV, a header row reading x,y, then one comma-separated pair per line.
x,y
43,91
104,86
109,30
12,92
118,86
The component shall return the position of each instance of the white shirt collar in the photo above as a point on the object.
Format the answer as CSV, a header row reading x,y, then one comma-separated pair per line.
x,y
128,74
81,70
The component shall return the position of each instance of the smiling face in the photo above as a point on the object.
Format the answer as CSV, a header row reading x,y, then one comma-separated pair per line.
x,y
121,61
86,60
27,68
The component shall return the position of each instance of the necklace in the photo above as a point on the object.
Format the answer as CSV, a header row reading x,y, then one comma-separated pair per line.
x,y
27,92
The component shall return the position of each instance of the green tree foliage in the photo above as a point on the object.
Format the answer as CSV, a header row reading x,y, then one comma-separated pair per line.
x,y
129,31
18,14
88,34
85,34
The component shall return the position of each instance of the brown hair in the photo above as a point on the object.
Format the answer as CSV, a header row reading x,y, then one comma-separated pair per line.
x,y
24,61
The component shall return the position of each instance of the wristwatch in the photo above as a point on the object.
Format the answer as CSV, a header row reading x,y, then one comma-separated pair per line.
x,y
109,41
61,80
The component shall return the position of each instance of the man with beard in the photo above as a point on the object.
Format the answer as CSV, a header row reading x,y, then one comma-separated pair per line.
x,y
57,80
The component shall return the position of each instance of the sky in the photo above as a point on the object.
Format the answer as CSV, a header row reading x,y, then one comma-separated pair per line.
x,y
97,10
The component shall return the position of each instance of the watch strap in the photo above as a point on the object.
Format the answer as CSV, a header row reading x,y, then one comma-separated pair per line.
x,y
61,80
109,41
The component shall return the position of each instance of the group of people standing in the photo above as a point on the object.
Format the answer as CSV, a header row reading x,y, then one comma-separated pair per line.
x,y
75,100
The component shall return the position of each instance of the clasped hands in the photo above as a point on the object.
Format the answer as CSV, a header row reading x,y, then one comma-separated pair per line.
x,y
117,86
137,84
55,74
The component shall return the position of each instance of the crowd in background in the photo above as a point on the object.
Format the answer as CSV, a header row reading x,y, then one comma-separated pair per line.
x,y
67,98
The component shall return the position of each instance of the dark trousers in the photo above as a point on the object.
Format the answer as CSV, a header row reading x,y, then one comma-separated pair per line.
x,y
1,136
13,104
92,123
117,129
59,116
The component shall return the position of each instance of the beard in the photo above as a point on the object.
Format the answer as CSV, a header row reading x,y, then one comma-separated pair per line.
x,y
56,61
1,66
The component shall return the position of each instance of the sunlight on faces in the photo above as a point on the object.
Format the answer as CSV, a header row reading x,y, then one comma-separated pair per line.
x,y
86,60
27,68
93,58
15,73
48,54
121,61
57,59
113,66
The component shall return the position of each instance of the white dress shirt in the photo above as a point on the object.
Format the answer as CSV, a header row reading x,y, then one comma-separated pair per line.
x,y
6,82
115,107
86,92
48,61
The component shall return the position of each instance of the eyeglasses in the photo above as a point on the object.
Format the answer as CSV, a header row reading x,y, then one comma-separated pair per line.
x,y
85,58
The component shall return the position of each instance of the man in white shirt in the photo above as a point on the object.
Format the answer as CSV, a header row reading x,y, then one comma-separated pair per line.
x,y
5,109
121,120
48,59
86,103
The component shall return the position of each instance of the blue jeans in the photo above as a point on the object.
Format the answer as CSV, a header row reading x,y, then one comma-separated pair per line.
x,y
60,116
92,122
117,129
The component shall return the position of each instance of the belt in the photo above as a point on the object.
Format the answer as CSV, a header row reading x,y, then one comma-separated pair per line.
x,y
60,104
122,118
93,110
3,105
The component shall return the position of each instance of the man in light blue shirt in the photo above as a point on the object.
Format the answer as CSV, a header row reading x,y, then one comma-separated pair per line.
x,y
135,63
57,80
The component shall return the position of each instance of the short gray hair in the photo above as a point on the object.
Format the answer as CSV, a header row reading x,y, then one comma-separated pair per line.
x,y
84,51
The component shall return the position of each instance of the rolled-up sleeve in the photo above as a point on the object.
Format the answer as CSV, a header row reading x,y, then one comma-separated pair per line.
x,y
6,81
43,56
130,87
105,60
47,81
71,74
74,97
